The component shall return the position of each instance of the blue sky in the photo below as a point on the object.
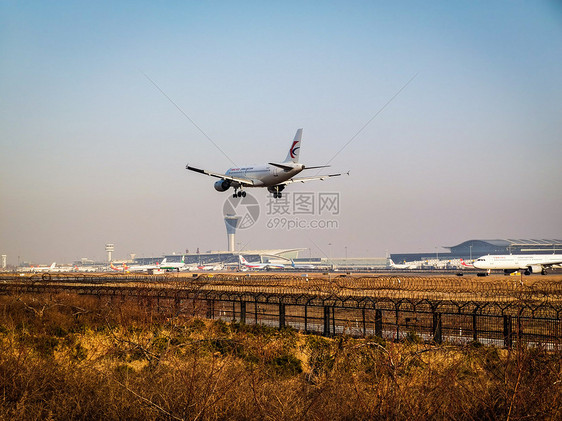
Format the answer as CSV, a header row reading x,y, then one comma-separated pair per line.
x,y
92,152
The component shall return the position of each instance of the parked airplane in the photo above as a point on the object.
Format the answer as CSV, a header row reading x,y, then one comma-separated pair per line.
x,y
529,263
144,268
405,265
301,266
42,268
216,266
173,266
247,265
122,268
273,176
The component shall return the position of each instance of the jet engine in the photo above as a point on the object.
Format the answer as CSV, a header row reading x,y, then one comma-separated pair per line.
x,y
222,185
534,269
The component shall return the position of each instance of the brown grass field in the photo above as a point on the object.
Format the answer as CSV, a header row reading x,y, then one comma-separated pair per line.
x,y
75,357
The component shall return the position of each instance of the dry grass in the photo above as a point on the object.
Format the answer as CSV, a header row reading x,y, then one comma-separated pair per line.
x,y
71,357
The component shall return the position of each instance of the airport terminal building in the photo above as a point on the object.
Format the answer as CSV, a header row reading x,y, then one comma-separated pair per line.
x,y
473,249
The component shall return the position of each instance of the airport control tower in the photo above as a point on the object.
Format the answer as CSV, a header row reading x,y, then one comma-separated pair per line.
x,y
231,222
109,248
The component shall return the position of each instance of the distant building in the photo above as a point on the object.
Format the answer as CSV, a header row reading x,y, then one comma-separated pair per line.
x,y
227,257
473,249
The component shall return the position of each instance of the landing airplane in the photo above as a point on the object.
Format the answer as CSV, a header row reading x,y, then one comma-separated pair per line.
x,y
529,263
273,176
258,266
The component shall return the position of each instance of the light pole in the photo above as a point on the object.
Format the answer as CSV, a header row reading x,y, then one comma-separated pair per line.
x,y
470,247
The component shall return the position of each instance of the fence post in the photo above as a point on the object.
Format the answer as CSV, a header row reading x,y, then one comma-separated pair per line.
x,y
378,323
256,311
364,322
397,320
326,321
306,318
243,312
210,309
281,315
475,325
437,328
507,331
233,311
333,320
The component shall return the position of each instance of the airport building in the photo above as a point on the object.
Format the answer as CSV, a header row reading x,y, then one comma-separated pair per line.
x,y
472,249
283,256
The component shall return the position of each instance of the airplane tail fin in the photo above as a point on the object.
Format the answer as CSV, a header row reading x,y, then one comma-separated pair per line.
x,y
53,265
242,260
294,150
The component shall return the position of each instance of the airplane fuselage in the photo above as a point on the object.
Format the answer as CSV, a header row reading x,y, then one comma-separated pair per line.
x,y
264,175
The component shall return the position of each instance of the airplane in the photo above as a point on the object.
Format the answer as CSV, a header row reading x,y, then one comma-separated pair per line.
x,y
300,266
123,268
171,266
144,268
406,265
273,176
43,268
529,263
217,266
247,265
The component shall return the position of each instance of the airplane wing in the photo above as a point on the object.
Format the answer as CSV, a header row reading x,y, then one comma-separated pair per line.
x,y
242,181
304,179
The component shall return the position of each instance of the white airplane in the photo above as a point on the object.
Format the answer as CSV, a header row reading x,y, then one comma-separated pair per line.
x,y
143,268
216,266
258,266
405,265
529,263
43,268
173,266
300,266
273,176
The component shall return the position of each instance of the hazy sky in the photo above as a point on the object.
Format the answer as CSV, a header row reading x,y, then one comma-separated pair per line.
x,y
91,152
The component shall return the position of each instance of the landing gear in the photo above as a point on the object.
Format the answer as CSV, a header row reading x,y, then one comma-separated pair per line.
x,y
276,191
239,193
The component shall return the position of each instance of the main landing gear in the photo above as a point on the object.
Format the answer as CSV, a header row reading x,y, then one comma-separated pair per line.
x,y
276,191
239,193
